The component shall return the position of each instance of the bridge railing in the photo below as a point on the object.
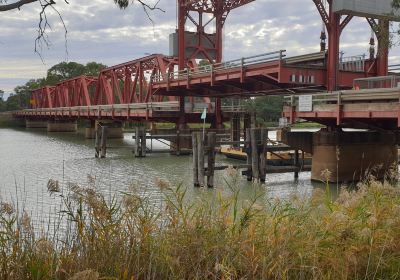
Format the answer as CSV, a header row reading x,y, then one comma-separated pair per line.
x,y
352,63
305,103
394,68
217,67
391,81
155,106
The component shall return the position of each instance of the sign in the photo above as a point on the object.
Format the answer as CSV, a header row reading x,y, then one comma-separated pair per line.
x,y
283,122
204,114
305,103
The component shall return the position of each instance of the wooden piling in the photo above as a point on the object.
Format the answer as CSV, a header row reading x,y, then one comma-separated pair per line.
x,y
246,124
263,153
178,142
254,155
212,140
103,141
296,163
143,141
200,160
195,160
97,141
248,152
235,130
137,142
140,139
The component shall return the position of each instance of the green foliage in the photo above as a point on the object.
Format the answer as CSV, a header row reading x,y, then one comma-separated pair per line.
x,y
267,108
204,62
69,70
59,72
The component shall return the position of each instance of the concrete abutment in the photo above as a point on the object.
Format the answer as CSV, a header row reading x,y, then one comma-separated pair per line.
x,y
62,126
346,156
114,129
35,123
351,156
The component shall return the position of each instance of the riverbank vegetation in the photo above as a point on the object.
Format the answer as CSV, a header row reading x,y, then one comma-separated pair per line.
x,y
21,97
356,236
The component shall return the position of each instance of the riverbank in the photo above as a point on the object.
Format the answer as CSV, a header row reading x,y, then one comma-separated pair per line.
x,y
7,120
356,236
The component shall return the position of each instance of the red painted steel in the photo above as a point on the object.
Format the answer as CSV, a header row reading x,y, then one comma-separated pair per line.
x,y
152,78
335,27
129,82
75,92
42,97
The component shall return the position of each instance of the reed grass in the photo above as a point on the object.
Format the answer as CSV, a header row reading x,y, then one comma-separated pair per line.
x,y
356,236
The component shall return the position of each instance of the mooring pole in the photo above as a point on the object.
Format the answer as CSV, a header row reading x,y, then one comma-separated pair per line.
x,y
195,160
254,155
263,153
97,140
143,142
248,152
296,163
103,141
178,142
200,152
212,141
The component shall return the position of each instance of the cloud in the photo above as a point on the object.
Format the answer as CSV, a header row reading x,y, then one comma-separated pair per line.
x,y
99,31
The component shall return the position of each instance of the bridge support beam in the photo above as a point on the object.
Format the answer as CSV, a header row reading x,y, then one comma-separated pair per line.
x,y
35,123
114,129
351,156
62,126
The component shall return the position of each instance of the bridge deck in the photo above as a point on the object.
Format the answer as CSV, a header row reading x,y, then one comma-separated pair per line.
x,y
269,73
155,111
373,108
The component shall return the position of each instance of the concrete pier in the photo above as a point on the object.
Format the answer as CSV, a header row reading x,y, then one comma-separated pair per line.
x,y
114,130
62,126
90,129
35,123
350,156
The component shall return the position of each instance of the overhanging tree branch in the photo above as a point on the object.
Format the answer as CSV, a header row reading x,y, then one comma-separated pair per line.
x,y
16,5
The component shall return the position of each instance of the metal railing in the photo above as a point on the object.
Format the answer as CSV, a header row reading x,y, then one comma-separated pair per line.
x,y
394,68
348,96
217,67
155,106
352,63
377,82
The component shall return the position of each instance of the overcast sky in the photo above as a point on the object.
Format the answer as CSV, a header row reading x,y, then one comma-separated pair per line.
x,y
99,31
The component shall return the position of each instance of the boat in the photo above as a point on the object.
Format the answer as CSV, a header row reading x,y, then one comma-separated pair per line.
x,y
280,158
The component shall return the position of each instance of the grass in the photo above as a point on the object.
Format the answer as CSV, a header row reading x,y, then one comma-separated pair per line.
x,y
307,125
356,236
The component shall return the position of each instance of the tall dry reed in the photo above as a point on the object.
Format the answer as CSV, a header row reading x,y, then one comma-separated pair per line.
x,y
356,236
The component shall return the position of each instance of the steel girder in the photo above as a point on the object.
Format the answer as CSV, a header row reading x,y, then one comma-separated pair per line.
x,y
129,82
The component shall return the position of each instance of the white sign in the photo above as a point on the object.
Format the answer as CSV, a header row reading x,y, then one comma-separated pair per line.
x,y
305,103
283,122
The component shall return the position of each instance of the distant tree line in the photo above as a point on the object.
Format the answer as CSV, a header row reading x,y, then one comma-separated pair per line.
x,y
59,72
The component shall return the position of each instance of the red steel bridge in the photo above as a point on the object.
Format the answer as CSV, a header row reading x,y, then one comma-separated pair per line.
x,y
175,88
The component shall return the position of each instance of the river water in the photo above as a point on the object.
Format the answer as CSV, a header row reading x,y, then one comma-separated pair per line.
x,y
29,158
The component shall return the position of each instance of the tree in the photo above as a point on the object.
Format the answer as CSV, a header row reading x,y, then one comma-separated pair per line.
x,y
8,5
94,68
62,71
1,101
267,108
69,70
